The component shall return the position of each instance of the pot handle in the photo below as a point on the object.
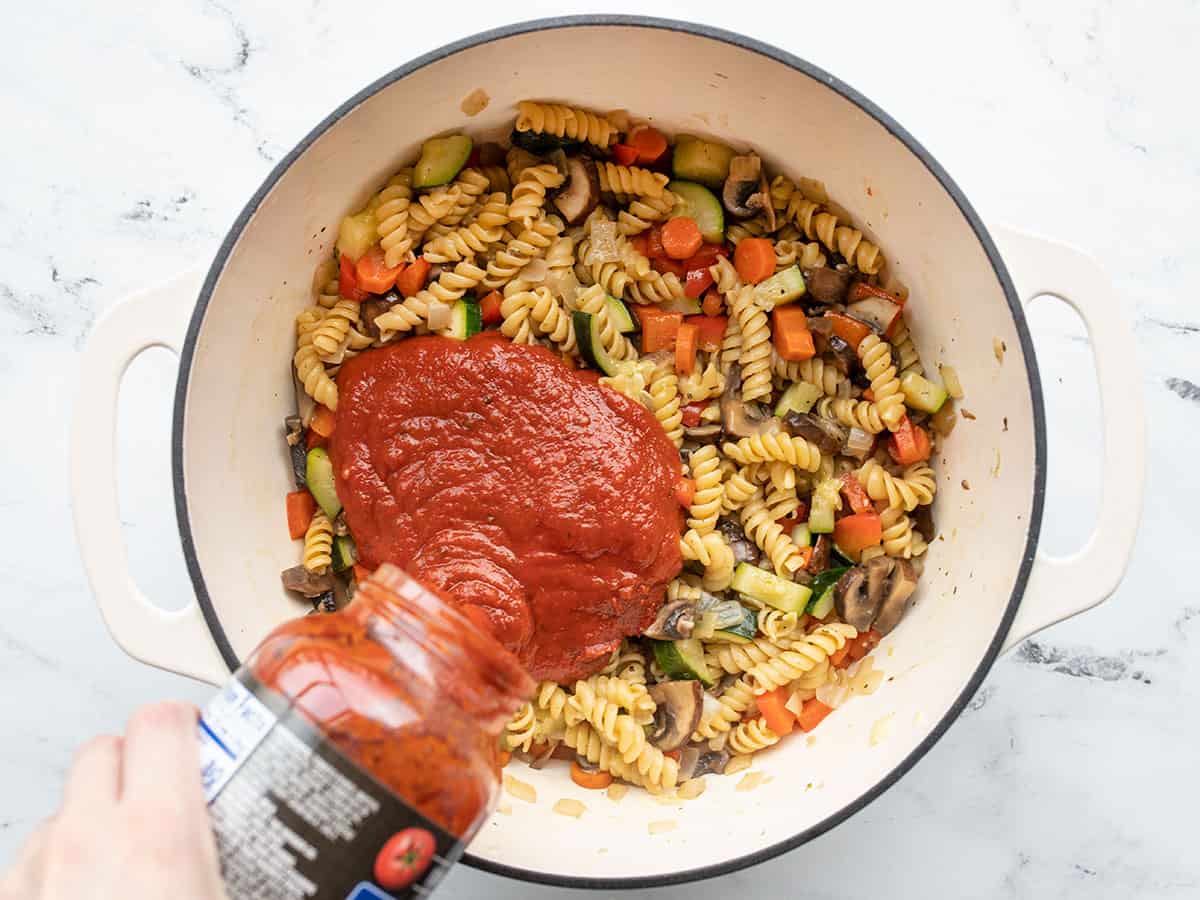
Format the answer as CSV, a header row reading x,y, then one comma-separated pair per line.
x,y
1063,586
177,640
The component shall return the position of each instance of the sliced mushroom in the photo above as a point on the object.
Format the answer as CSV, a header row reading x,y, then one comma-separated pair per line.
x,y
901,584
301,581
711,762
819,562
295,430
844,356
340,528
826,285
677,714
376,306
922,521
744,549
853,600
581,193
741,194
675,622
740,419
828,436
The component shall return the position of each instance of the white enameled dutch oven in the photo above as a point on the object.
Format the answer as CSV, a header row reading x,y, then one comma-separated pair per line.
x,y
986,587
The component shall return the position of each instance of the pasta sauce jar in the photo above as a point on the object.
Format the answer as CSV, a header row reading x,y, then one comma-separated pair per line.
x,y
354,754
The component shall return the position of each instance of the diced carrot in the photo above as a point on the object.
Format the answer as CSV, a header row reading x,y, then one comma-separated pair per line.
x,y
812,713
674,754
624,154
860,290
659,328
503,758
697,281
300,510
801,513
855,533
489,308
805,556
686,340
909,443
682,239
692,413
840,658
641,243
314,439
713,304
778,717
348,280
650,144
868,394
685,491
361,572
754,259
712,331
323,420
373,274
793,340
848,328
592,781
856,494
412,279
863,644
665,265
654,244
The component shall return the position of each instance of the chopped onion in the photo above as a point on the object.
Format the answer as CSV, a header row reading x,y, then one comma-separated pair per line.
x,y
688,757
953,385
475,102
738,763
691,789
858,443
843,389
540,762
795,703
998,348
710,707
661,827
569,807
750,781
564,284
438,316
536,271
520,789
616,791
604,247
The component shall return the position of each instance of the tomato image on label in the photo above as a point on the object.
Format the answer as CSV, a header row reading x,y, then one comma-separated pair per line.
x,y
404,858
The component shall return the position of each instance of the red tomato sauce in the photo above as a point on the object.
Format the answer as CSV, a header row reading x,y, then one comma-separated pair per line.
x,y
539,501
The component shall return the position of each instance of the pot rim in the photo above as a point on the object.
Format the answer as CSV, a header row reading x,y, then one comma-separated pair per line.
x,y
896,130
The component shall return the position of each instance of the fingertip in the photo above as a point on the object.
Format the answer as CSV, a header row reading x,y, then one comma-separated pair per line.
x,y
168,717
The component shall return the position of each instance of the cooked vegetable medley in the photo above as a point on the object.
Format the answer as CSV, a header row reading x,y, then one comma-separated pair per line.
x,y
761,330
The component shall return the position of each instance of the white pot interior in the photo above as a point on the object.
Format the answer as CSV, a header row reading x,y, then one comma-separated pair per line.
x,y
240,388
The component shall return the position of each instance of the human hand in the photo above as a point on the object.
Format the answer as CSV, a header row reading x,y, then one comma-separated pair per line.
x,y
133,823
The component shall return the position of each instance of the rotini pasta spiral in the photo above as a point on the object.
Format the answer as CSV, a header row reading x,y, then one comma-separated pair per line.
x,y
732,704
644,212
309,368
594,301
755,358
768,534
584,740
814,371
819,224
776,625
861,414
754,227
781,476
664,394
876,356
625,182
586,705
766,447
329,340
718,571
897,532
471,183
521,728
466,241
552,699
907,357
392,217
685,587
702,383
705,464
741,486
552,320
317,555
882,485
726,276
325,283
800,657
921,481
516,317
629,695
497,177
737,659
628,664
529,194
431,208
781,502
522,249
563,121
731,345
655,287
750,737
651,763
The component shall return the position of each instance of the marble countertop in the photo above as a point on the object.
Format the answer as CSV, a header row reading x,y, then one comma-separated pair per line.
x,y
136,131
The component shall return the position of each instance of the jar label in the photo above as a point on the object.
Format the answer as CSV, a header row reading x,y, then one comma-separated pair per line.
x,y
294,819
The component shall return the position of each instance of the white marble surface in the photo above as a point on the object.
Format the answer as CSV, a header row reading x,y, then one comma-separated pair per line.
x,y
135,132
